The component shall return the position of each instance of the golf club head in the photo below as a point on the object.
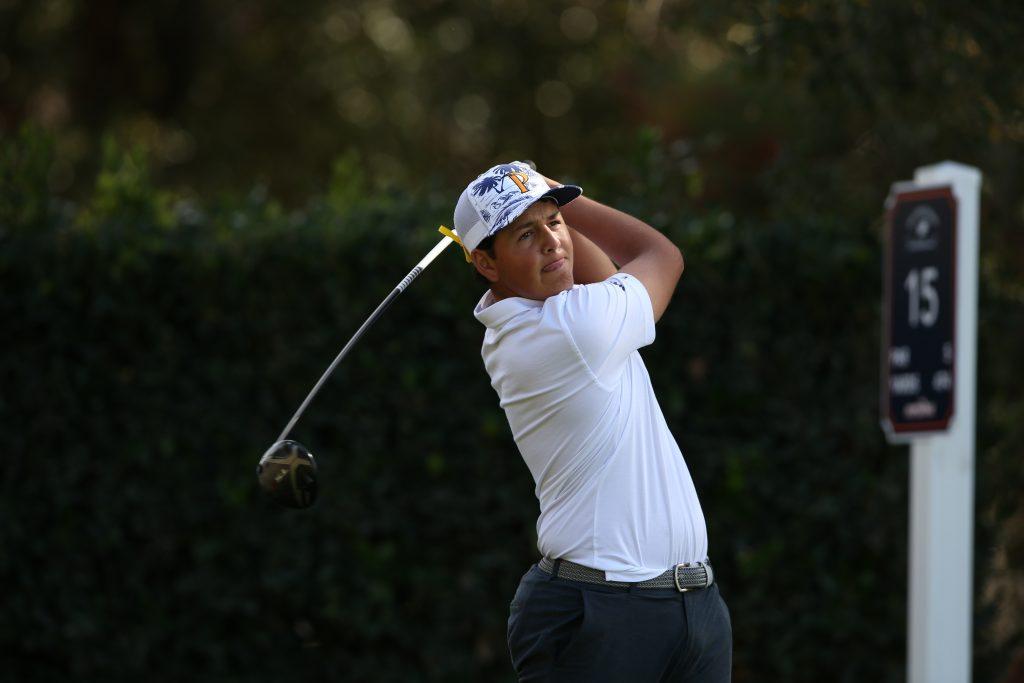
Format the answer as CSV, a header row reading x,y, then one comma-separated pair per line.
x,y
287,473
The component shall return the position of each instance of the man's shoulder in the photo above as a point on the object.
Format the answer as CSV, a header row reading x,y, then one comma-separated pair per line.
x,y
607,320
598,298
613,284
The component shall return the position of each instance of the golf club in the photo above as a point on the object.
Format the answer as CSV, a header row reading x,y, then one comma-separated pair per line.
x,y
287,471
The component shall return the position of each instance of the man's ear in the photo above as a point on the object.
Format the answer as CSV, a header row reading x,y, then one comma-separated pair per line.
x,y
484,263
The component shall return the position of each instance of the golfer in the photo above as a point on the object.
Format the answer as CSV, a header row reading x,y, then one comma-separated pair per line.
x,y
623,590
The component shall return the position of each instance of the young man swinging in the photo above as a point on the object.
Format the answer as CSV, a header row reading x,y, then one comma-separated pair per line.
x,y
623,590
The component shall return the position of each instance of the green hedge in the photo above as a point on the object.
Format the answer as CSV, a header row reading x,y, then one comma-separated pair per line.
x,y
155,348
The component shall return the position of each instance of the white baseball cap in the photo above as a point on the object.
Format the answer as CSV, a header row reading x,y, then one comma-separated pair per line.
x,y
498,196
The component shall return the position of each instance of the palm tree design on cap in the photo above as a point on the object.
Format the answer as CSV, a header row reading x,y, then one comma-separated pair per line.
x,y
498,203
486,185
502,219
496,181
504,169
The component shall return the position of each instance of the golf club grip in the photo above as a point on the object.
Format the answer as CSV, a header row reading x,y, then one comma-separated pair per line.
x,y
406,281
424,262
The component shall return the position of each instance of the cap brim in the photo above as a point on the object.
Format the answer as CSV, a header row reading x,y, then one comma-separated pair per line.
x,y
564,194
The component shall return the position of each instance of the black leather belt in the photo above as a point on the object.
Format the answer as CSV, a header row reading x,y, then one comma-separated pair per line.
x,y
683,577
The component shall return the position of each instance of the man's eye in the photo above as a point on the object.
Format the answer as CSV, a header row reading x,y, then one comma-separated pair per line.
x,y
523,235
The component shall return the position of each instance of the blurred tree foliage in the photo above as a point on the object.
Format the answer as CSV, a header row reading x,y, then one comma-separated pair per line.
x,y
223,192
228,92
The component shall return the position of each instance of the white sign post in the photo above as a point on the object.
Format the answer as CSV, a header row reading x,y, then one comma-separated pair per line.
x,y
942,474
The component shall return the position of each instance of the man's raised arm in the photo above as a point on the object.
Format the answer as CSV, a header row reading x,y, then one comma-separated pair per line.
x,y
642,251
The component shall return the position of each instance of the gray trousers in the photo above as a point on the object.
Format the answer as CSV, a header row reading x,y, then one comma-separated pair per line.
x,y
562,630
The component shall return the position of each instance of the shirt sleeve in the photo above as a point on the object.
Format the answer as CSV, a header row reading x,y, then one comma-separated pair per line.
x,y
609,320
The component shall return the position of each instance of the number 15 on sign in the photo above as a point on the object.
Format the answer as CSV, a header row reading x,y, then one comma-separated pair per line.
x,y
922,298
918,337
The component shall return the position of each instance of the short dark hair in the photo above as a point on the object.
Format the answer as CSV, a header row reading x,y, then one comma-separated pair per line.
x,y
487,245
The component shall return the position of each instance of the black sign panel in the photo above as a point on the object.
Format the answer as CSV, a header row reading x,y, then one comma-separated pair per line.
x,y
919,324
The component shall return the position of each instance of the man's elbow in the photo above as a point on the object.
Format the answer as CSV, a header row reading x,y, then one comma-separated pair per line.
x,y
677,261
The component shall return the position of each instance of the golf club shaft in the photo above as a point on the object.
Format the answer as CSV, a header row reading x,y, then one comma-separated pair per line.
x,y
406,281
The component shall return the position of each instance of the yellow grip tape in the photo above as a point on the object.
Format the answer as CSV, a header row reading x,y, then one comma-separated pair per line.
x,y
451,233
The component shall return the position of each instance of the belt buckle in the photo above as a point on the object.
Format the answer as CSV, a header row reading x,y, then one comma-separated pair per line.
x,y
675,577
708,575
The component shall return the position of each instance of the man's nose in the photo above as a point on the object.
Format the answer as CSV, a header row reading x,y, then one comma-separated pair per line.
x,y
551,239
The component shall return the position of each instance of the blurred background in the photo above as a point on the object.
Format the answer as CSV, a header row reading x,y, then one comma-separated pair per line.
x,y
201,200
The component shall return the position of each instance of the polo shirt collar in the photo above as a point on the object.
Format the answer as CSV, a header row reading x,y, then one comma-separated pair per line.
x,y
494,314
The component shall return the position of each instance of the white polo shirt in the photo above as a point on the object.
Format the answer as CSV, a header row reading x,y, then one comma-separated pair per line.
x,y
613,488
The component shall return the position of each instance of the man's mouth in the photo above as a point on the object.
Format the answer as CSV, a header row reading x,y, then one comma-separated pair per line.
x,y
554,265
